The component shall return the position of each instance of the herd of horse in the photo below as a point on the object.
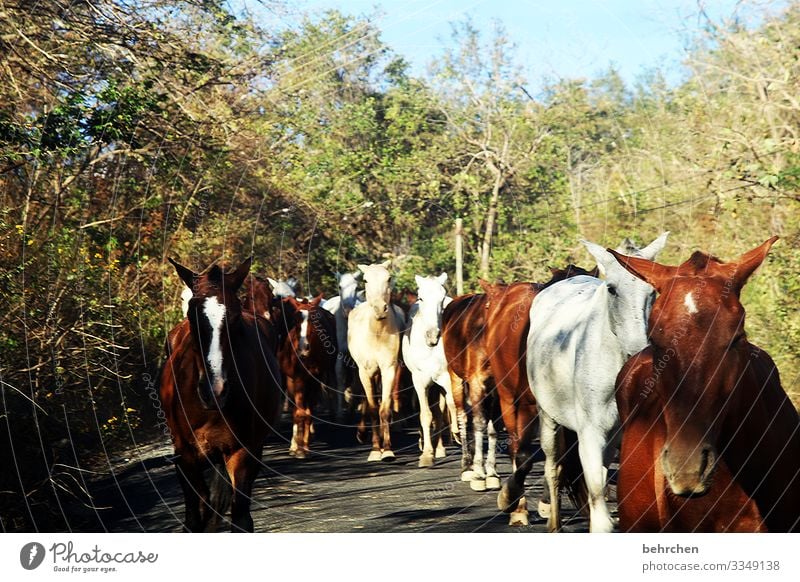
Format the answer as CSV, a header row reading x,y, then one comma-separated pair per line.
x,y
633,361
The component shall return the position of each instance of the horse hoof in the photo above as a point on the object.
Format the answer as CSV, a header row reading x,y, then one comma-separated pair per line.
x,y
478,485
468,475
292,453
300,455
441,453
387,456
425,461
493,482
374,456
543,509
361,437
518,519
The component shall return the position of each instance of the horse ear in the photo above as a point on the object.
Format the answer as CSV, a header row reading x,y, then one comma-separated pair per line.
x,y
338,276
236,278
363,268
292,301
357,275
485,285
316,301
272,283
655,274
386,264
442,278
749,262
187,275
604,258
651,251
419,280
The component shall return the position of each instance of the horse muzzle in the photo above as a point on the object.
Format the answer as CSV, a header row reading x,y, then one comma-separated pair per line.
x,y
689,470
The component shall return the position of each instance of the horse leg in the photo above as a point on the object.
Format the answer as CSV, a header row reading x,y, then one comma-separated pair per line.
x,y
371,412
458,398
439,426
291,395
425,417
550,445
301,421
476,395
195,492
389,376
340,387
492,478
590,449
445,382
242,469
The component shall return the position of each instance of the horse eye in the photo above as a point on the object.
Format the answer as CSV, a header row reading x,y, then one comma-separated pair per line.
x,y
612,290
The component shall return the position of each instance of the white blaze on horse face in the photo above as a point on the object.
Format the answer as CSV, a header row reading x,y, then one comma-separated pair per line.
x,y
304,332
688,301
215,313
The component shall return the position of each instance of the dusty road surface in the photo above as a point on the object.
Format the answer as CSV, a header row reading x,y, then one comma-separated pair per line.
x,y
335,490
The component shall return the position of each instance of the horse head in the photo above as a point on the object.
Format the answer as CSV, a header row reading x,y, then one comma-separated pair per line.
x,y
377,280
214,311
258,298
431,297
281,289
628,298
348,290
302,313
700,354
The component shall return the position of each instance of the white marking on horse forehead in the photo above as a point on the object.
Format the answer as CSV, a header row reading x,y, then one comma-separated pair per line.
x,y
688,301
303,328
215,313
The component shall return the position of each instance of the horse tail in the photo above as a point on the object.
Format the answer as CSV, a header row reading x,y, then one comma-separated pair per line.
x,y
219,497
572,480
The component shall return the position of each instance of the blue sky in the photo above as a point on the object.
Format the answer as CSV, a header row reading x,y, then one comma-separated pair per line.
x,y
555,39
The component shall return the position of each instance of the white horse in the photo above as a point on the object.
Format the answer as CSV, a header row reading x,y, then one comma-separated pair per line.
x,y
373,337
423,354
341,306
582,332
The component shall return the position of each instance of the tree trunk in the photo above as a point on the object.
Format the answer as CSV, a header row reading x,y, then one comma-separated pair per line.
x,y
491,218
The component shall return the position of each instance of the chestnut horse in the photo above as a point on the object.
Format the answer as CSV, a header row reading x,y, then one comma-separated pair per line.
x,y
463,329
508,322
221,394
711,442
260,302
307,359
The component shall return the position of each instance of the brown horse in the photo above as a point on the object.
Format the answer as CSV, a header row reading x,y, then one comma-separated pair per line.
x,y
463,328
221,394
307,359
508,321
711,441
260,302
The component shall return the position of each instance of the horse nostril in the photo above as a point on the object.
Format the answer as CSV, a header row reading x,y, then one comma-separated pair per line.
x,y
385,308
